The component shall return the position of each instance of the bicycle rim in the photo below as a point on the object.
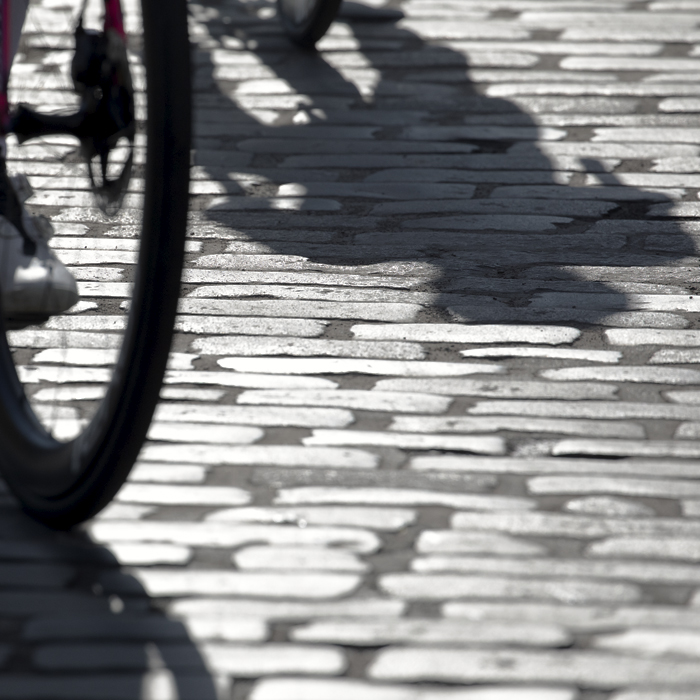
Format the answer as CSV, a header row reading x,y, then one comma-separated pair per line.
x,y
64,477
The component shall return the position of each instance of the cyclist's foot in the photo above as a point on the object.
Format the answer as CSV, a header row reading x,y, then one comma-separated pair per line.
x,y
34,283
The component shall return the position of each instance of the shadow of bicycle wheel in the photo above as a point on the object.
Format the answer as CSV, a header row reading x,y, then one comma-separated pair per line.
x,y
74,623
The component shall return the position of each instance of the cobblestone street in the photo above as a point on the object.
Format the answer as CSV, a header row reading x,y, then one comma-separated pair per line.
x,y
432,425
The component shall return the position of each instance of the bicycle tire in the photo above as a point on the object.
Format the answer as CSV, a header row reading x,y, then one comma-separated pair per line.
x,y
306,21
64,483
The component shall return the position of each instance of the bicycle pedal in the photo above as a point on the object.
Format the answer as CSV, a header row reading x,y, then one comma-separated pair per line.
x,y
26,123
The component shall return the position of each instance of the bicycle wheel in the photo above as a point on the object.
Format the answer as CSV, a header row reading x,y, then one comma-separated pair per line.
x,y
306,21
63,481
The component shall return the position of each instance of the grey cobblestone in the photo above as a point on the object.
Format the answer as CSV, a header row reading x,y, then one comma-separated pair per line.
x,y
216,534
627,448
288,610
660,488
640,571
658,548
399,402
390,631
584,527
251,455
298,558
593,669
446,586
291,585
383,518
436,333
421,424
501,387
273,659
653,695
579,618
250,380
451,541
608,505
453,463
303,347
454,443
346,689
401,496
181,495
247,415
293,366
589,409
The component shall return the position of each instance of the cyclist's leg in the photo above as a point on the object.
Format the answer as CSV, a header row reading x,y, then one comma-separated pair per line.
x,y
306,21
12,14
33,282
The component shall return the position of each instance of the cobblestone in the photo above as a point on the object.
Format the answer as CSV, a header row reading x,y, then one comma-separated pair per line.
x,y
215,534
468,334
274,659
291,585
637,571
381,518
584,527
500,387
441,541
361,606
411,441
181,495
358,400
298,558
240,455
303,347
294,366
587,619
426,424
593,669
401,496
382,632
447,586
608,505
661,548
454,463
660,488
650,448
346,689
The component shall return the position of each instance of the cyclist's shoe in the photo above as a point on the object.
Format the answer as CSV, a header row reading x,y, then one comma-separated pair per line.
x,y
34,283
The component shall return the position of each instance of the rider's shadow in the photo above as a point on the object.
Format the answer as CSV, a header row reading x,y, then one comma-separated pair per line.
x,y
393,154
74,623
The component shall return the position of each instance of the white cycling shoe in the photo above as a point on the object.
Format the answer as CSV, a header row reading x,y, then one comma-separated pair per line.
x,y
34,283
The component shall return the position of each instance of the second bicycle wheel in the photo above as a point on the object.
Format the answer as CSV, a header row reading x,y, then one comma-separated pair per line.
x,y
306,21
65,469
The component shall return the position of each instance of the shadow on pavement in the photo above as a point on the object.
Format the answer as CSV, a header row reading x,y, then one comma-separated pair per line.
x,y
451,186
75,626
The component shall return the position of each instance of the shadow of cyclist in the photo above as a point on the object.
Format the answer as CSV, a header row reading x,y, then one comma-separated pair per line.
x,y
74,624
381,149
